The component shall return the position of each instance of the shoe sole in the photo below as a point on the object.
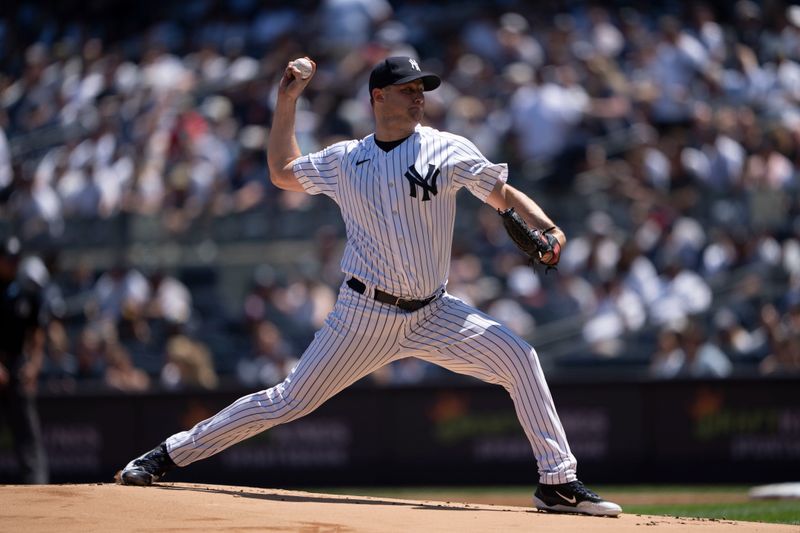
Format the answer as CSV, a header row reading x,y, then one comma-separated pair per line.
x,y
541,506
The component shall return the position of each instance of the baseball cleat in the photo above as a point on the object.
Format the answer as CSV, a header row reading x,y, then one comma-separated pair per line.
x,y
148,468
573,498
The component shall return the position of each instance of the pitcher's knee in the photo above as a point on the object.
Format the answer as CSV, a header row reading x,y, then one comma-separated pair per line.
x,y
519,364
284,404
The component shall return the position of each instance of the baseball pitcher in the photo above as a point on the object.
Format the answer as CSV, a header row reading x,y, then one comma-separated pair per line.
x,y
397,190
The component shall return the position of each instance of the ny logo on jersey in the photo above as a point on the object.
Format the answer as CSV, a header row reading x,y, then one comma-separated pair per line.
x,y
428,183
414,64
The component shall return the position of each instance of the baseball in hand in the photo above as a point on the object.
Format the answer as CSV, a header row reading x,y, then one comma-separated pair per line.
x,y
304,66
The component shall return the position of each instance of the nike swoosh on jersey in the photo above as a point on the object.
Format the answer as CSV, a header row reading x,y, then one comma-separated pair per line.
x,y
570,500
362,161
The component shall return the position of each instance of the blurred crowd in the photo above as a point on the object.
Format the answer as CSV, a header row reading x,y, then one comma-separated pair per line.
x,y
665,141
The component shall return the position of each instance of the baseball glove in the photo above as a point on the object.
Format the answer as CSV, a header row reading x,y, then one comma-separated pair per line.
x,y
540,246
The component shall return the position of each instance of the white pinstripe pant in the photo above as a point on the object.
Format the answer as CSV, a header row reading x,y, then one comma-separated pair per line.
x,y
360,336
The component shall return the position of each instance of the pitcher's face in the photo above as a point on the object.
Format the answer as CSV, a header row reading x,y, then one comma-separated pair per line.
x,y
404,102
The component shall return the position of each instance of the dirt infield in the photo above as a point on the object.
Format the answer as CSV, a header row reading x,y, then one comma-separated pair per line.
x,y
222,509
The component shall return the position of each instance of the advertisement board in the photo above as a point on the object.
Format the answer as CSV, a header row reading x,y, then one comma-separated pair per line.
x,y
688,431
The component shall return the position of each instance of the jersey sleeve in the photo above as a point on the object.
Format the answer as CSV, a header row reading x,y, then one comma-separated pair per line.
x,y
472,170
319,172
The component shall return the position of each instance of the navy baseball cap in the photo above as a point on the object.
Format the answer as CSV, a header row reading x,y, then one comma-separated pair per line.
x,y
398,70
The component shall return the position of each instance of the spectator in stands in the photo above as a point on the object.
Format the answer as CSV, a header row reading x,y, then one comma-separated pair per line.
x,y
638,273
76,286
119,299
509,312
676,65
467,277
547,115
80,191
246,188
170,300
597,252
620,312
783,339
683,293
717,159
720,254
60,369
271,359
347,24
694,356
189,365
573,297
604,36
736,341
260,302
33,206
668,355
120,374
306,302
90,355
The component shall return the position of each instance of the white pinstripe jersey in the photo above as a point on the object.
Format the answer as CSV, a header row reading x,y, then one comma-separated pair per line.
x,y
399,207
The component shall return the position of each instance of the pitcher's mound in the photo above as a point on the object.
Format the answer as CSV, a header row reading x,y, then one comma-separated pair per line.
x,y
221,509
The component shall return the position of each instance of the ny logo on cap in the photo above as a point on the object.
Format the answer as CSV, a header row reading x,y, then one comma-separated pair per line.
x,y
414,64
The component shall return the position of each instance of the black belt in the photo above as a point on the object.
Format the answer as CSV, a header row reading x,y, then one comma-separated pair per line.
x,y
386,298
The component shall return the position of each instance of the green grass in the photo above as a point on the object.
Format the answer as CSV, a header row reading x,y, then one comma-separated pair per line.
x,y
771,511
777,511
671,489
